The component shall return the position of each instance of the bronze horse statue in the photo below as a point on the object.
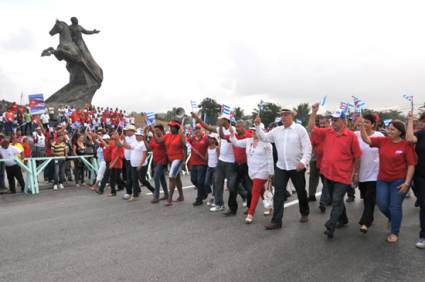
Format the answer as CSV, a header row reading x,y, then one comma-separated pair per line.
x,y
85,74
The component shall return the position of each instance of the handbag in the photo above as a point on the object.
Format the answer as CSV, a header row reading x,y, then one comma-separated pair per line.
x,y
268,196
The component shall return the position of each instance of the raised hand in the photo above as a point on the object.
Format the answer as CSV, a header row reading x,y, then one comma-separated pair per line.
x,y
315,108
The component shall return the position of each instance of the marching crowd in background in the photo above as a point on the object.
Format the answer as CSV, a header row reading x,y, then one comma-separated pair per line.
x,y
253,161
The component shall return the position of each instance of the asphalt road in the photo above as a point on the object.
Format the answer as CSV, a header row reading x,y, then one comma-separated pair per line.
x,y
76,235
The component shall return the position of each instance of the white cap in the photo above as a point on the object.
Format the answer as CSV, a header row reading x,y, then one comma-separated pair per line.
x,y
339,114
140,132
226,116
106,136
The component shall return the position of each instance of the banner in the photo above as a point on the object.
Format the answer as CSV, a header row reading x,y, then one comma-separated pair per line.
x,y
37,105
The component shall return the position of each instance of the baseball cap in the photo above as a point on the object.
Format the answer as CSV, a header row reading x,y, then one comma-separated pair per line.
x,y
106,137
339,114
225,116
140,132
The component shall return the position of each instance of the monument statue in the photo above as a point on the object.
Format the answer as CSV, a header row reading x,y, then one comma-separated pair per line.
x,y
85,75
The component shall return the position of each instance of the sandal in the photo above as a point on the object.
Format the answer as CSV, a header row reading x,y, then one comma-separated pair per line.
x,y
392,238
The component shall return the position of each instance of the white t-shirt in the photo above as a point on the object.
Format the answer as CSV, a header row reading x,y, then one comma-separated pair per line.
x,y
369,161
9,153
212,157
136,154
39,140
131,140
226,148
44,118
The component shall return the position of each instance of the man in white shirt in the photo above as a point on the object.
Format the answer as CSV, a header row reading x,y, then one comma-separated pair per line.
x,y
226,168
130,139
294,153
139,164
13,170
45,120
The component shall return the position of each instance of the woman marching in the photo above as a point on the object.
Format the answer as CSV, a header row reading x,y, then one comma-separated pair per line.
x,y
396,169
260,166
175,146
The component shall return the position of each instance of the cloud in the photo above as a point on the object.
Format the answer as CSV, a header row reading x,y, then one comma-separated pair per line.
x,y
19,40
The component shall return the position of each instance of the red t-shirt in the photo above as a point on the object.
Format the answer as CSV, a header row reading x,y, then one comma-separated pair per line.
x,y
200,145
27,150
393,158
10,116
174,147
76,116
339,153
117,152
159,152
240,153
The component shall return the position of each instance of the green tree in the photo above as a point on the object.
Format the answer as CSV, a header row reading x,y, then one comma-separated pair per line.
x,y
268,114
211,109
170,114
302,110
238,112
391,114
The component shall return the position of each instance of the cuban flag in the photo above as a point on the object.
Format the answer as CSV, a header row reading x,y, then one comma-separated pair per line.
x,y
194,105
36,103
408,98
226,109
343,106
261,106
150,118
298,121
359,104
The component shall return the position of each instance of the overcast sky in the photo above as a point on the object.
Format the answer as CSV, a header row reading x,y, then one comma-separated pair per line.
x,y
159,54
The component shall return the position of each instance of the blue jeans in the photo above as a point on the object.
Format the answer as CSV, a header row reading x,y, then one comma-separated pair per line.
x,y
197,177
389,201
159,179
325,197
209,180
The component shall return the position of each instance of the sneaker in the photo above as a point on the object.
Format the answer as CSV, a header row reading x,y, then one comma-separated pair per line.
x,y
61,186
126,196
363,229
267,212
249,219
55,187
77,185
322,209
421,243
245,204
217,209
133,198
349,200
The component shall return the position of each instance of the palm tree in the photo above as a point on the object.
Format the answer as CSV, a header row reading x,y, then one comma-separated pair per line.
x,y
238,113
302,110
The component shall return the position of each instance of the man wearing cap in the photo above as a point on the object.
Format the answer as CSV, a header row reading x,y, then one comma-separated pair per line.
x,y
12,168
340,163
294,153
198,161
130,139
139,164
226,168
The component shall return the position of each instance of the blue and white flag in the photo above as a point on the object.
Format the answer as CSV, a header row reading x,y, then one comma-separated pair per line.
x,y
277,119
298,121
226,109
194,105
387,122
323,101
261,106
36,103
150,118
408,98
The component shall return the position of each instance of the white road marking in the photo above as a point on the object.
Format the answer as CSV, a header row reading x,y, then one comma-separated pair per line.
x,y
287,205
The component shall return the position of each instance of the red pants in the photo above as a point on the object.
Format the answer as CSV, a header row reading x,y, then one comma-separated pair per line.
x,y
257,191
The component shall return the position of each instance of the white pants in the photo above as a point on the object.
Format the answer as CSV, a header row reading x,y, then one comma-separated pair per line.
x,y
101,171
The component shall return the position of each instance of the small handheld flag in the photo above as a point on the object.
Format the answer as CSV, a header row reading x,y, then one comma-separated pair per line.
x,y
410,99
323,101
261,108
150,118
226,109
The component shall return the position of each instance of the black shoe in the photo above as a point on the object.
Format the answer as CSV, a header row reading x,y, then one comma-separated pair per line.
x,y
245,212
229,213
350,199
272,226
322,209
312,198
417,203
341,224
329,231
120,188
287,194
197,203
